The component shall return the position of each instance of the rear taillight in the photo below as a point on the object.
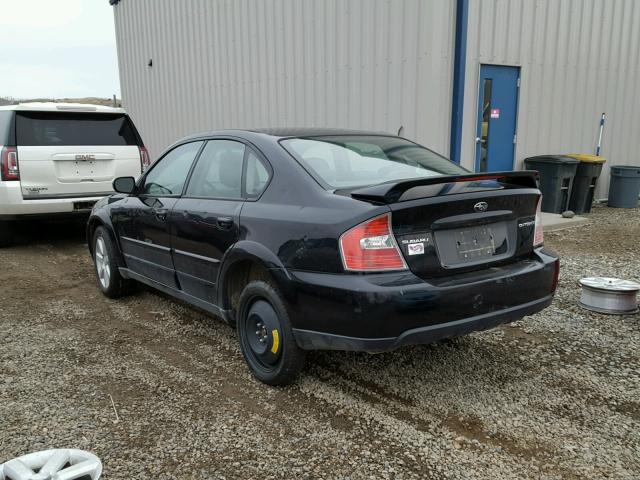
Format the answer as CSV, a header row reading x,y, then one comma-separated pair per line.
x,y
144,159
538,236
9,164
371,247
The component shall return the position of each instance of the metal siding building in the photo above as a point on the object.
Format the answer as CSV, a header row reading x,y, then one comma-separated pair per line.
x,y
383,64
577,59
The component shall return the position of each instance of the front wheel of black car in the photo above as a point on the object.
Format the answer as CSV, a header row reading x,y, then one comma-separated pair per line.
x,y
112,284
265,335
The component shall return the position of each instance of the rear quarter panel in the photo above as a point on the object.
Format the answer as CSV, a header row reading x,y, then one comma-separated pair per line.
x,y
303,236
297,219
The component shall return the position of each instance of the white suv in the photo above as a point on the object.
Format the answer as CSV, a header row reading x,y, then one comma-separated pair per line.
x,y
58,159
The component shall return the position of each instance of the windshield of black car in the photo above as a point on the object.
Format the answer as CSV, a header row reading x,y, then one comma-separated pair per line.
x,y
343,161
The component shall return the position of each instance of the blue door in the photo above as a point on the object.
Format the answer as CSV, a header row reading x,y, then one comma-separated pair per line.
x,y
497,113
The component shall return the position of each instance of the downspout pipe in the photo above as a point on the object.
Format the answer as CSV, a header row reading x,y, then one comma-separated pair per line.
x,y
459,67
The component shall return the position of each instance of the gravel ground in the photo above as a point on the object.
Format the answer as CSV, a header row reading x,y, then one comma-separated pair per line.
x,y
552,396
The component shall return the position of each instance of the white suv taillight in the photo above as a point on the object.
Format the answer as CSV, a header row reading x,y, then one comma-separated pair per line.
x,y
144,159
538,236
9,164
371,247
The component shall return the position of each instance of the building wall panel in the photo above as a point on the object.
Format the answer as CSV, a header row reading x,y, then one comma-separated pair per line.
x,y
372,64
578,58
382,64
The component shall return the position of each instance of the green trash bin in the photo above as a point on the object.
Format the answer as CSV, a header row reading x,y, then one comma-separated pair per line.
x,y
624,186
556,180
584,185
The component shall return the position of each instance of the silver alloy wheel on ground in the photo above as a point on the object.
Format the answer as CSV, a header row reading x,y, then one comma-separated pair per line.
x,y
609,295
62,464
102,263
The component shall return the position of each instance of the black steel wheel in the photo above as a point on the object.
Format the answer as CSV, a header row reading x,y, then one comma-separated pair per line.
x,y
265,335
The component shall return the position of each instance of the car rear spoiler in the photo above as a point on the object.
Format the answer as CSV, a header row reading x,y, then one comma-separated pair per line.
x,y
390,192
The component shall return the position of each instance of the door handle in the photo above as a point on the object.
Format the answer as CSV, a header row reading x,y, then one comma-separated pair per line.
x,y
224,223
160,213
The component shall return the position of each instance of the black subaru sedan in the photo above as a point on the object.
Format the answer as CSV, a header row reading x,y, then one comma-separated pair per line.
x,y
326,239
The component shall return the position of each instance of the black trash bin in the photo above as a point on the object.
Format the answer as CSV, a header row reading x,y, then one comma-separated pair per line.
x,y
584,185
556,180
624,186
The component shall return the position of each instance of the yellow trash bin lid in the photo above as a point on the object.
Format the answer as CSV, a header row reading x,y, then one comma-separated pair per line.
x,y
587,158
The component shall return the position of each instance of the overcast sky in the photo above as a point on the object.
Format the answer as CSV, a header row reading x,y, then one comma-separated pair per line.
x,y
57,48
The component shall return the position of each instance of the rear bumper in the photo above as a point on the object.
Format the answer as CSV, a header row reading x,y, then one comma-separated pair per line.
x,y
310,340
386,311
14,207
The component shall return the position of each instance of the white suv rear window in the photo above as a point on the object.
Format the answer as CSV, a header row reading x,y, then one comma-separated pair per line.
x,y
6,117
53,129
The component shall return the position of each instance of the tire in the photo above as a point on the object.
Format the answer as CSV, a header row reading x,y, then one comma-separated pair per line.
x,y
6,234
266,337
112,284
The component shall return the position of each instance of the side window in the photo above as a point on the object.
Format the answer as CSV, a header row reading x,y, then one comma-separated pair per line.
x,y
218,173
257,176
169,174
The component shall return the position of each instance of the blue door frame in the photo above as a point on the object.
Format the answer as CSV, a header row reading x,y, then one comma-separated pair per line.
x,y
497,118
459,64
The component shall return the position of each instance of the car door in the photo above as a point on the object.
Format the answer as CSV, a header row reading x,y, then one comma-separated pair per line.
x,y
206,219
141,220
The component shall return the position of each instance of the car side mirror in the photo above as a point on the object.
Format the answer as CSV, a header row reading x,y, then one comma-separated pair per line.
x,y
124,184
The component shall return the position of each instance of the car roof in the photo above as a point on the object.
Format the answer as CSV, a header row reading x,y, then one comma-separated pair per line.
x,y
312,132
61,107
282,132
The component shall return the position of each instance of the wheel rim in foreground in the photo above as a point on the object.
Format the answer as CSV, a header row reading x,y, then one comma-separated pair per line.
x,y
63,464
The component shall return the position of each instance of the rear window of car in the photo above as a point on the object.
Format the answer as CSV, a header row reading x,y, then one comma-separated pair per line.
x,y
344,161
63,128
6,117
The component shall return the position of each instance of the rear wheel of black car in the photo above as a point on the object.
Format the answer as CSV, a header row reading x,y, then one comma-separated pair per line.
x,y
265,335
6,234
112,284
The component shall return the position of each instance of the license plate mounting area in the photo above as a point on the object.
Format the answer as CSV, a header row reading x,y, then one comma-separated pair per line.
x,y
475,243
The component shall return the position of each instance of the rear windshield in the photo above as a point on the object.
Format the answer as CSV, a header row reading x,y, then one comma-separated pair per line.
x,y
6,117
63,128
344,161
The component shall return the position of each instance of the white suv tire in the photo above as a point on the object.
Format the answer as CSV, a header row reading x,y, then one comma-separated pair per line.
x,y
6,234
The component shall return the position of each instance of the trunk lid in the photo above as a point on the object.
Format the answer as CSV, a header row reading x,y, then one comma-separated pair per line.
x,y
454,224
74,154
47,172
